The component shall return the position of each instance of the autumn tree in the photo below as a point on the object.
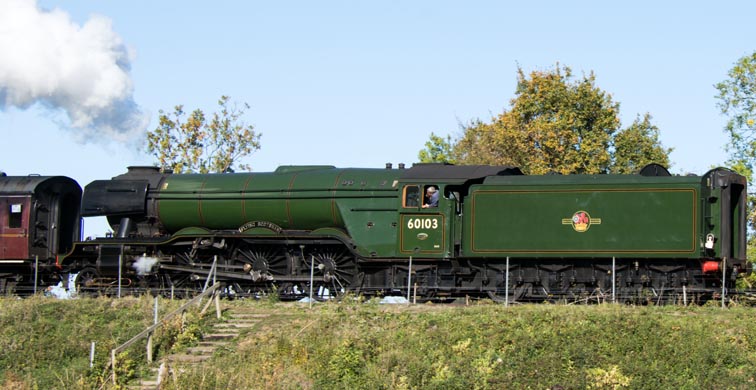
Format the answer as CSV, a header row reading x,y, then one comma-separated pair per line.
x,y
195,143
557,123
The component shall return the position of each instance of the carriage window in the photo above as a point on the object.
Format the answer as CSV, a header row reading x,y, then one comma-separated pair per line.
x,y
411,196
14,217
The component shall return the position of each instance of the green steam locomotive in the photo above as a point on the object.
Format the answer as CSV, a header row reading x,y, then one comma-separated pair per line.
x,y
438,231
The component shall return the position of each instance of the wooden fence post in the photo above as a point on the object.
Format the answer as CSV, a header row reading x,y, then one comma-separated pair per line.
x,y
149,348
113,363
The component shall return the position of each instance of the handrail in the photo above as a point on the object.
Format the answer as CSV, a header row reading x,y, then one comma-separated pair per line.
x,y
148,332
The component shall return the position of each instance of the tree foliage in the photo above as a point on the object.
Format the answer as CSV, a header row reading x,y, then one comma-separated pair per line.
x,y
437,149
737,100
195,144
558,123
637,146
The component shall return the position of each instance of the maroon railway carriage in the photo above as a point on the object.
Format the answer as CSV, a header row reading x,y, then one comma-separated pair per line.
x,y
39,219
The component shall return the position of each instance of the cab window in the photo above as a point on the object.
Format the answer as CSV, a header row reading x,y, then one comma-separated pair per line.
x,y
411,196
431,196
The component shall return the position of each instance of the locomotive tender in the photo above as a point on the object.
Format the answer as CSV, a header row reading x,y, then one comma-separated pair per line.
x,y
360,230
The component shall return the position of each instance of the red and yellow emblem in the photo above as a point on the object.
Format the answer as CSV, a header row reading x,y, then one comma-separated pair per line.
x,y
581,221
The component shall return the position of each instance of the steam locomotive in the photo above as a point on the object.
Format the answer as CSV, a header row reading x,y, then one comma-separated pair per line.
x,y
494,232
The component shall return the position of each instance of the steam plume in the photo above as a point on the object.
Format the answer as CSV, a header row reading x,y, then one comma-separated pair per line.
x,y
143,265
82,70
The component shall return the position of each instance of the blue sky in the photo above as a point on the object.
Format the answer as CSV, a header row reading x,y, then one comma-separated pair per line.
x,y
353,83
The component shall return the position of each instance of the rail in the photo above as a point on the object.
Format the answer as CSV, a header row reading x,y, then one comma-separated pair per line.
x,y
147,333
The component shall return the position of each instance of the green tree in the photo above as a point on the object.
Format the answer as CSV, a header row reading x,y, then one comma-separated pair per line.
x,y
559,123
637,146
737,100
437,149
196,144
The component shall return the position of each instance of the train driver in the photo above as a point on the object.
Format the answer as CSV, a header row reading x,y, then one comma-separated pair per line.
x,y
431,197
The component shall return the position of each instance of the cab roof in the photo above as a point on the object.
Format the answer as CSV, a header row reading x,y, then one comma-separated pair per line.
x,y
448,173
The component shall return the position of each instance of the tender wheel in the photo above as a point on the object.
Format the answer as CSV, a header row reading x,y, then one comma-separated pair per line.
x,y
515,294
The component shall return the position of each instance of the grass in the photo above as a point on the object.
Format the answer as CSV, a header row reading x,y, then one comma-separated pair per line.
x,y
343,346
45,344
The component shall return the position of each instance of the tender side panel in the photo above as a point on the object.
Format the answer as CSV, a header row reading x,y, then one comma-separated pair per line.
x,y
569,222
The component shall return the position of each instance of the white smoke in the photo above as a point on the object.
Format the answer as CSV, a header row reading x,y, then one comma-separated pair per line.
x,y
143,264
83,70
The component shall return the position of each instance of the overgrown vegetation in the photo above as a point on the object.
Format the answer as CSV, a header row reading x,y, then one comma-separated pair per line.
x,y
343,346
45,344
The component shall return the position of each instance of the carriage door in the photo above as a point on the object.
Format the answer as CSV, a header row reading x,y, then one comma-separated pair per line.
x,y
14,224
423,230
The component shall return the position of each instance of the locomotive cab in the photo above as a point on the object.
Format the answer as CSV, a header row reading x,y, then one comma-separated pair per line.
x,y
432,228
424,220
